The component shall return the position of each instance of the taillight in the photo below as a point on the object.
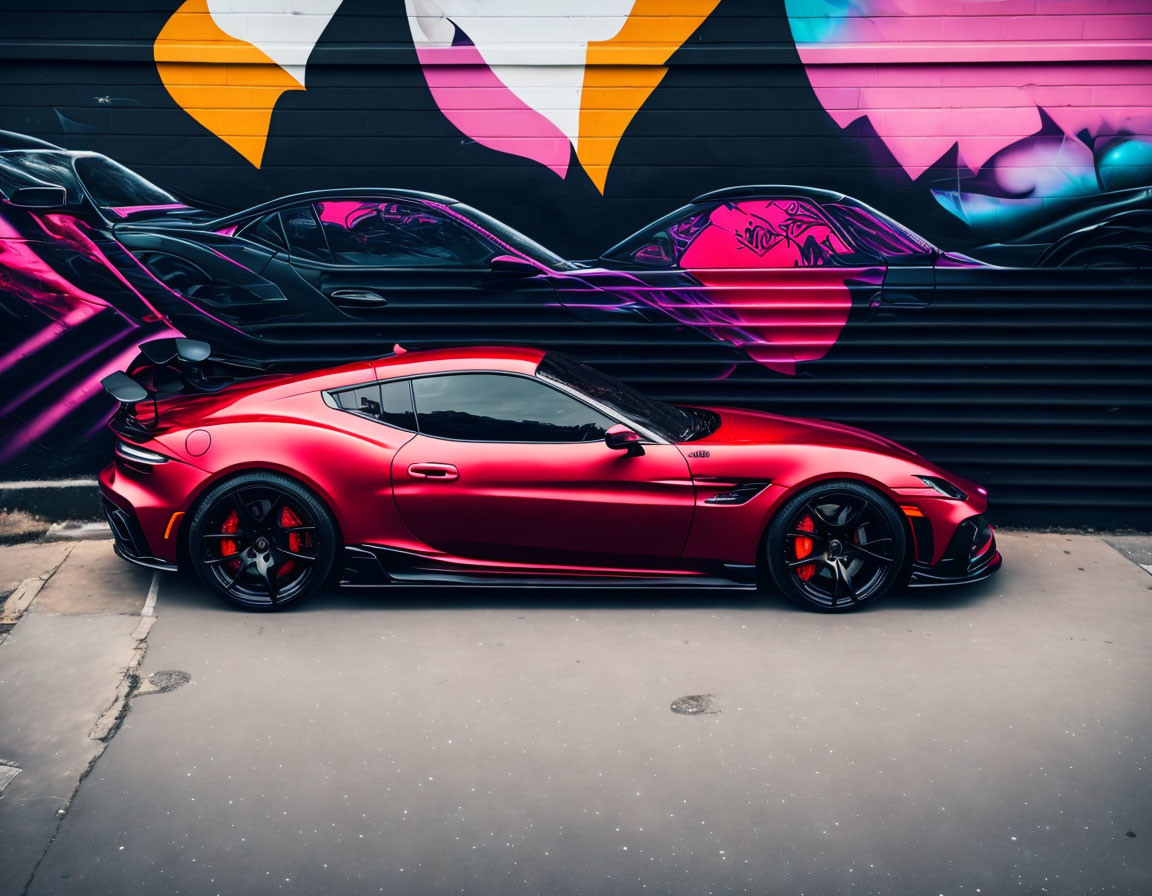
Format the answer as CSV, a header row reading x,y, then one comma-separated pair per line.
x,y
139,455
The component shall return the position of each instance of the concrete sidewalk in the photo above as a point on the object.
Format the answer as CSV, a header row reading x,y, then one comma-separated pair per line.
x,y
71,630
973,740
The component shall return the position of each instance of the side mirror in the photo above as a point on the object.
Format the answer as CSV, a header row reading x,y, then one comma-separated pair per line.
x,y
513,264
621,438
39,197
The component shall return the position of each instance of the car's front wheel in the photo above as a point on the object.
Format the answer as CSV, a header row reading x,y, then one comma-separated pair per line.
x,y
262,541
836,546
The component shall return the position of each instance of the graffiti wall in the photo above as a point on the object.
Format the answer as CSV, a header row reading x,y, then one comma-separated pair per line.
x,y
928,218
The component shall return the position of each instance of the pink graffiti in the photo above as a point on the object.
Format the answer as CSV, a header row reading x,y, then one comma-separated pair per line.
x,y
28,274
125,211
796,316
484,109
73,231
766,285
763,234
56,412
930,74
47,335
23,272
760,261
346,214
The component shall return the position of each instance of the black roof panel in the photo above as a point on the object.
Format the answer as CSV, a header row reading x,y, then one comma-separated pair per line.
x,y
758,190
12,140
341,193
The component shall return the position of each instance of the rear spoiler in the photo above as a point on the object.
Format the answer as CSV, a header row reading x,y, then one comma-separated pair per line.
x,y
178,366
165,351
123,388
169,367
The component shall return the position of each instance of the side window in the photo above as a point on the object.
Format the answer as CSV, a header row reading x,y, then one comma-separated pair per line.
x,y
267,230
374,233
305,237
765,233
877,234
492,407
389,402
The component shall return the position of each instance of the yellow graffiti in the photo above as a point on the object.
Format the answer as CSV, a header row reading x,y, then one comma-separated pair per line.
x,y
226,84
621,73
231,86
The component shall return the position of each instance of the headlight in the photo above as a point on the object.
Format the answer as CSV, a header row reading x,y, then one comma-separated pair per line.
x,y
944,487
140,455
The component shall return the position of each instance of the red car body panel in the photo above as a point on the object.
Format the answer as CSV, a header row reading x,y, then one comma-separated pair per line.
x,y
577,509
566,504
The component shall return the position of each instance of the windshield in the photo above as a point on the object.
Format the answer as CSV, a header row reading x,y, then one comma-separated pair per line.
x,y
661,243
667,421
31,167
513,238
112,186
875,232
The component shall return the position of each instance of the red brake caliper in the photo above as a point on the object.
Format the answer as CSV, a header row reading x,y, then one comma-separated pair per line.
x,y
287,520
227,546
803,547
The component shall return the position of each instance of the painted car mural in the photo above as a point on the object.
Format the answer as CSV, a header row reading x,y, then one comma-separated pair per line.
x,y
1016,133
1034,106
95,255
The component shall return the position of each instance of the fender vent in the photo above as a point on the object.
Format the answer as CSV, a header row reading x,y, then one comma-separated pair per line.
x,y
742,494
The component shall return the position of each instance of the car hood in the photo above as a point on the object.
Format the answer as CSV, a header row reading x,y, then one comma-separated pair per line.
x,y
743,427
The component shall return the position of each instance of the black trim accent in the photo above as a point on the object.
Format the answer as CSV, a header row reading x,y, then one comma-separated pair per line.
x,y
922,536
146,562
741,494
971,556
776,191
123,388
164,351
130,543
362,569
310,196
923,579
368,565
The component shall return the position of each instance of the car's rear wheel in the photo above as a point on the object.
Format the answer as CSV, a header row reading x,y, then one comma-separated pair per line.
x,y
836,546
262,542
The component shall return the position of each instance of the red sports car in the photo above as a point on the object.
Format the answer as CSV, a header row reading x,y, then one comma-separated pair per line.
x,y
511,466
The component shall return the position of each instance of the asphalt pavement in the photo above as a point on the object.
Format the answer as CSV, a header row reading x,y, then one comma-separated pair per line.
x,y
987,740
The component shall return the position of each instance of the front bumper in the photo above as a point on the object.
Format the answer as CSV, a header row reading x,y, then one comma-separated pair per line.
x,y
971,556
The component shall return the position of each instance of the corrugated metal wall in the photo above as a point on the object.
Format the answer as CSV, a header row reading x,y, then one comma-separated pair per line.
x,y
985,127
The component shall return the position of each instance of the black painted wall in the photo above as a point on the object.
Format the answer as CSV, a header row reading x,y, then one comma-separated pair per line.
x,y
1035,383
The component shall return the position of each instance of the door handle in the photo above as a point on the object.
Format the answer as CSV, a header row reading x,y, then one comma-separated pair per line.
x,y
433,471
357,298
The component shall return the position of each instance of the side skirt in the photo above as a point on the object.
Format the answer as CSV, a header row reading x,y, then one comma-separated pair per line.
x,y
370,566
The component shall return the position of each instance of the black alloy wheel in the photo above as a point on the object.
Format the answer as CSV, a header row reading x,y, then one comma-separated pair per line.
x,y
837,546
262,542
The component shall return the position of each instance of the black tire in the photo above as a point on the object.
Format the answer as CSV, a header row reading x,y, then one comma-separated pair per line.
x,y
855,538
283,544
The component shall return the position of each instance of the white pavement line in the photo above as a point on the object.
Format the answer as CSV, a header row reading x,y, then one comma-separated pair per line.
x,y
1147,567
46,483
153,592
